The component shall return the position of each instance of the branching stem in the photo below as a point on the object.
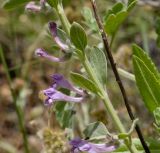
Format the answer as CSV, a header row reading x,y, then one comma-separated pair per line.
x,y
114,68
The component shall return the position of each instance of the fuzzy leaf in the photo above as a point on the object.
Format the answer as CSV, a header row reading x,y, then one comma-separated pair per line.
x,y
89,19
64,114
96,130
83,82
147,83
78,36
99,64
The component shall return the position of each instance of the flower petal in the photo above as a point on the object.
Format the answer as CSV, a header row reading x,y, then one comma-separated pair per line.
x,y
53,30
62,82
42,53
31,6
54,95
79,145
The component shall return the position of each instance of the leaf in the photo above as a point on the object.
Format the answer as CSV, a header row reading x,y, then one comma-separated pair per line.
x,y
78,36
113,22
96,130
114,10
131,5
83,82
99,64
117,7
64,114
116,16
89,19
11,4
147,83
156,113
140,53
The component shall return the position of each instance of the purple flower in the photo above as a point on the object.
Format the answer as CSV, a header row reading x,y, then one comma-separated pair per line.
x,y
60,81
42,53
55,95
79,145
31,6
53,30
52,94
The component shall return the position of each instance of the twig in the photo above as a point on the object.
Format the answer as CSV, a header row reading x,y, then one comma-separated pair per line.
x,y
113,65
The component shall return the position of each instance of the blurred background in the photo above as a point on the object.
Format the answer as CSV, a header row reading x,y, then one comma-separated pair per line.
x,y
21,32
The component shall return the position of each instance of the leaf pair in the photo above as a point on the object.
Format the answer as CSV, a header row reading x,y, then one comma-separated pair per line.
x,y
97,60
99,66
115,16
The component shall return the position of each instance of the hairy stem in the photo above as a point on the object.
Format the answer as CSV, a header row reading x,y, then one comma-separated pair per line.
x,y
65,23
108,104
103,93
19,111
114,68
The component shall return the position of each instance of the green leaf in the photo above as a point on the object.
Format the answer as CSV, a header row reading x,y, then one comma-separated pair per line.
x,y
117,7
96,130
140,53
89,19
64,114
147,83
116,16
113,22
78,36
99,64
83,82
131,5
11,4
156,113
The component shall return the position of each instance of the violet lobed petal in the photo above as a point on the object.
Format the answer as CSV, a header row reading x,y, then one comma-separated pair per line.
x,y
53,30
31,6
42,53
54,95
79,145
62,82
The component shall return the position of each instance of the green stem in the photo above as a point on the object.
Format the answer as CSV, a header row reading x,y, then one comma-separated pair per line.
x,y
143,27
104,95
65,23
126,74
19,112
112,39
108,104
